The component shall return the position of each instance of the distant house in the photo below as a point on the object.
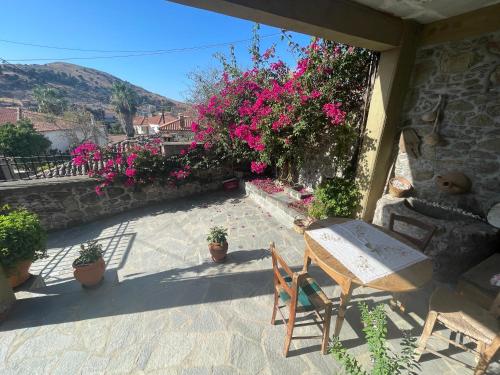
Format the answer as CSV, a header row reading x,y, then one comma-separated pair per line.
x,y
59,131
178,129
170,126
144,125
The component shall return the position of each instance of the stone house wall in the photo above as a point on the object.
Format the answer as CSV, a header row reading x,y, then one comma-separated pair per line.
x,y
467,72
68,201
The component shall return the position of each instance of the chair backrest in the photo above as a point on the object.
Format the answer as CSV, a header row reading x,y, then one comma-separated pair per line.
x,y
428,230
280,267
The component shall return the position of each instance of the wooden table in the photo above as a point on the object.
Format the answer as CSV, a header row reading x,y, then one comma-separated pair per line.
x,y
405,280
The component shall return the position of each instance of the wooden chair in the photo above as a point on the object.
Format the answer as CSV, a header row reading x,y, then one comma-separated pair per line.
x,y
462,316
399,300
301,294
420,243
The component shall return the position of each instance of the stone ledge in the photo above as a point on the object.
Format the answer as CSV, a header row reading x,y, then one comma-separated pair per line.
x,y
45,182
276,204
68,201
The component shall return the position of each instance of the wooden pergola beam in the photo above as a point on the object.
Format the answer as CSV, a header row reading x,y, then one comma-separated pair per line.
x,y
467,25
338,20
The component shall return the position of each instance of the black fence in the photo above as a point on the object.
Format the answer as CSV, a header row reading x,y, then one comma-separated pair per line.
x,y
54,165
44,166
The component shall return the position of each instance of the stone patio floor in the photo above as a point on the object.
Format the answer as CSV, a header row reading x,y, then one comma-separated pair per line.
x,y
166,308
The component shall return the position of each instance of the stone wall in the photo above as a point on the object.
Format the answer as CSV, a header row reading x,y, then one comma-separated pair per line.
x,y
468,74
67,201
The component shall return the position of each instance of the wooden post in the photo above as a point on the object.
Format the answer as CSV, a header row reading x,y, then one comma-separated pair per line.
x,y
389,90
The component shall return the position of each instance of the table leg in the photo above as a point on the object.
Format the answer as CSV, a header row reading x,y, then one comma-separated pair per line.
x,y
345,296
307,260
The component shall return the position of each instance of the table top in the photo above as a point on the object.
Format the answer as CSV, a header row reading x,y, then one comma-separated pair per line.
x,y
405,280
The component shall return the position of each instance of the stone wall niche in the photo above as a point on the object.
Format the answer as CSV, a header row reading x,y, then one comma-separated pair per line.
x,y
461,240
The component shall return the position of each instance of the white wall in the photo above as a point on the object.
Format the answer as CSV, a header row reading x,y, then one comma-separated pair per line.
x,y
61,140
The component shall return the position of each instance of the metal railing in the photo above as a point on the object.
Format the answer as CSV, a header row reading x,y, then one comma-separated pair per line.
x,y
54,165
43,166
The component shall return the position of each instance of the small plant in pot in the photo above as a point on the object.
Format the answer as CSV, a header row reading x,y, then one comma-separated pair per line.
x,y
22,241
217,243
89,267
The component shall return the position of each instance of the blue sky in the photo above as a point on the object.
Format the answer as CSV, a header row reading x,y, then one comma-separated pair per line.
x,y
129,25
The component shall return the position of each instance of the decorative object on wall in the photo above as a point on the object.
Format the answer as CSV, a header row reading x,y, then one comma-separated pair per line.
x,y
433,114
493,216
454,183
399,187
409,142
434,138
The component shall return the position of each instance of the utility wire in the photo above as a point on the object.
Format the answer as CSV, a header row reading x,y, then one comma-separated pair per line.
x,y
132,54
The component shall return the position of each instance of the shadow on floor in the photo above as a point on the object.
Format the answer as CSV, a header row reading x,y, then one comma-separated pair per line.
x,y
204,283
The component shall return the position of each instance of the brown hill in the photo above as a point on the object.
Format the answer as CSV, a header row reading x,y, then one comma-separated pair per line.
x,y
81,85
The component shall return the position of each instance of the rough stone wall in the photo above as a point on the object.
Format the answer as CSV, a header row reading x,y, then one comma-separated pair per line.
x,y
468,73
68,201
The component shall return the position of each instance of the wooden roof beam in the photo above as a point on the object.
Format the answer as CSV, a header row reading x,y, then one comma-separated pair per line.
x,y
339,20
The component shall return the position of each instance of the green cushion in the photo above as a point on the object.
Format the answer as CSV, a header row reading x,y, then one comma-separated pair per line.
x,y
306,290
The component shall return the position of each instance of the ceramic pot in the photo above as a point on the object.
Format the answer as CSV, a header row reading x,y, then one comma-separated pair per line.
x,y
454,183
90,275
399,187
218,251
20,273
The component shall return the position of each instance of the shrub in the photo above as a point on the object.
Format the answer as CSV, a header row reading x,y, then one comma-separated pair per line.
x,y
21,139
337,197
21,237
385,362
88,254
217,235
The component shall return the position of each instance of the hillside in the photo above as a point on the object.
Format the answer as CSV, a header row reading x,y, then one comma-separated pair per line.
x,y
81,85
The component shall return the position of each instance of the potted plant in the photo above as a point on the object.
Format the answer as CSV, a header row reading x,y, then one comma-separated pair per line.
x,y
89,267
22,241
217,243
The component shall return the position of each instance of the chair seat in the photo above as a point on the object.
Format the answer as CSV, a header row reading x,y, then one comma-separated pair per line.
x,y
460,315
310,296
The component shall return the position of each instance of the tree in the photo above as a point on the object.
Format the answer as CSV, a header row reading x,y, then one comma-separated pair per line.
x,y
21,139
50,100
205,83
125,101
83,127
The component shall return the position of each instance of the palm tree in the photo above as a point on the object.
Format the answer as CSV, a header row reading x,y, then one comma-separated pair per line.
x,y
125,101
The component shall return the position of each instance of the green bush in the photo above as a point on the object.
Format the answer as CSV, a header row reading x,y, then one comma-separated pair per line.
x,y
21,237
384,361
337,197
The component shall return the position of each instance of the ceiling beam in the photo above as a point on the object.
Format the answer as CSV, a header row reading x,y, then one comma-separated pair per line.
x,y
340,20
463,26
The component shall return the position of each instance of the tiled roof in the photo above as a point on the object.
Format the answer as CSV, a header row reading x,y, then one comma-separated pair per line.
x,y
154,120
8,115
180,124
41,121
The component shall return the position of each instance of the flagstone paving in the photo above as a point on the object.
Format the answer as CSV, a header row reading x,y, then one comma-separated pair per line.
x,y
166,308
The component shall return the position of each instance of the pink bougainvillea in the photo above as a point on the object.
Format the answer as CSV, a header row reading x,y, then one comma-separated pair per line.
x,y
140,164
274,115
258,167
266,184
334,113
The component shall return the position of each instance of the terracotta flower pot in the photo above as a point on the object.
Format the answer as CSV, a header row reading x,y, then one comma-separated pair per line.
x,y
218,251
90,275
20,273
